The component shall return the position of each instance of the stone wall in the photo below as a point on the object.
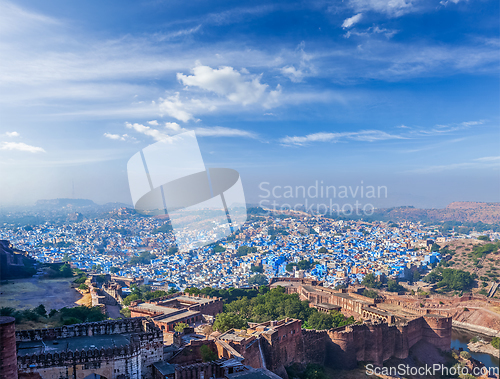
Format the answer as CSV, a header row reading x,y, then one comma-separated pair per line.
x,y
377,341
131,361
131,325
191,353
283,345
113,363
8,360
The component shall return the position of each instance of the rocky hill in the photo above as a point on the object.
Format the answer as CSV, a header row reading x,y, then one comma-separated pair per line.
x,y
463,211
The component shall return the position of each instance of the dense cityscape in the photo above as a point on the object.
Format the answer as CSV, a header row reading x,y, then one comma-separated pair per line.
x,y
337,252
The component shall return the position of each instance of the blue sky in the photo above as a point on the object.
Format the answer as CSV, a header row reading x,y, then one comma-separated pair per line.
x,y
402,94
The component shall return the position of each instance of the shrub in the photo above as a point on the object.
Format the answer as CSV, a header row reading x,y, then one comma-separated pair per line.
x,y
465,354
207,355
179,327
495,342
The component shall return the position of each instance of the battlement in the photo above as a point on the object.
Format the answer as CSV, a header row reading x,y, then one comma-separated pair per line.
x,y
133,325
109,348
68,358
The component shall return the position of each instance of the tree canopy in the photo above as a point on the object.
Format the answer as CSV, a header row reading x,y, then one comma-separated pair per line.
x,y
143,258
225,321
258,279
244,250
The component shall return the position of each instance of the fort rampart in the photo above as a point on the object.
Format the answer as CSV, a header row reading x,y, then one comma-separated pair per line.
x,y
132,360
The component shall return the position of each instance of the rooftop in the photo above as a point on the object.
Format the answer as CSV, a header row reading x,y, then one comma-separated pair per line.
x,y
72,344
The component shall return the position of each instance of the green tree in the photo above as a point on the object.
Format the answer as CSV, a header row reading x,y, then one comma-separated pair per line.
x,y
394,286
483,238
320,321
457,280
225,321
244,250
165,228
172,250
370,281
495,342
83,287
80,279
339,319
219,249
40,310
465,354
114,270
96,268
258,268
207,355
314,371
416,276
130,298
125,312
433,277
144,258
258,279
72,321
179,327
435,247
370,293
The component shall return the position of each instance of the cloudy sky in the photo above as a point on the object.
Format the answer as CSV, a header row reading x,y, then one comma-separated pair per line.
x,y
399,93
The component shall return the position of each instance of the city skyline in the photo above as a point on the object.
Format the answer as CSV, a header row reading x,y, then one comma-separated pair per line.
x,y
361,93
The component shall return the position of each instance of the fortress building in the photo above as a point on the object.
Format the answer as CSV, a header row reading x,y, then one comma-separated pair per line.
x,y
168,311
119,349
278,344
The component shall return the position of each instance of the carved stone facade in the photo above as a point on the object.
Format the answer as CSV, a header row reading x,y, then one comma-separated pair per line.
x,y
46,352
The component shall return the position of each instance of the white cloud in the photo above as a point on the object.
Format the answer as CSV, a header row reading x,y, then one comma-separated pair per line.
x,y
488,159
273,99
348,22
220,131
446,2
449,128
175,108
226,81
292,73
305,67
392,8
117,137
146,130
179,33
21,146
153,123
172,126
12,134
363,135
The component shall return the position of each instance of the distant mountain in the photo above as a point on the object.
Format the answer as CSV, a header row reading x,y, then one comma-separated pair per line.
x,y
65,203
462,211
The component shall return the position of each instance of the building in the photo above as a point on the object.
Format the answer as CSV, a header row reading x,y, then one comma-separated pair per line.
x,y
168,311
118,349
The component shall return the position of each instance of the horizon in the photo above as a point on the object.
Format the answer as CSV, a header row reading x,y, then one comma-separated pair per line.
x,y
402,95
